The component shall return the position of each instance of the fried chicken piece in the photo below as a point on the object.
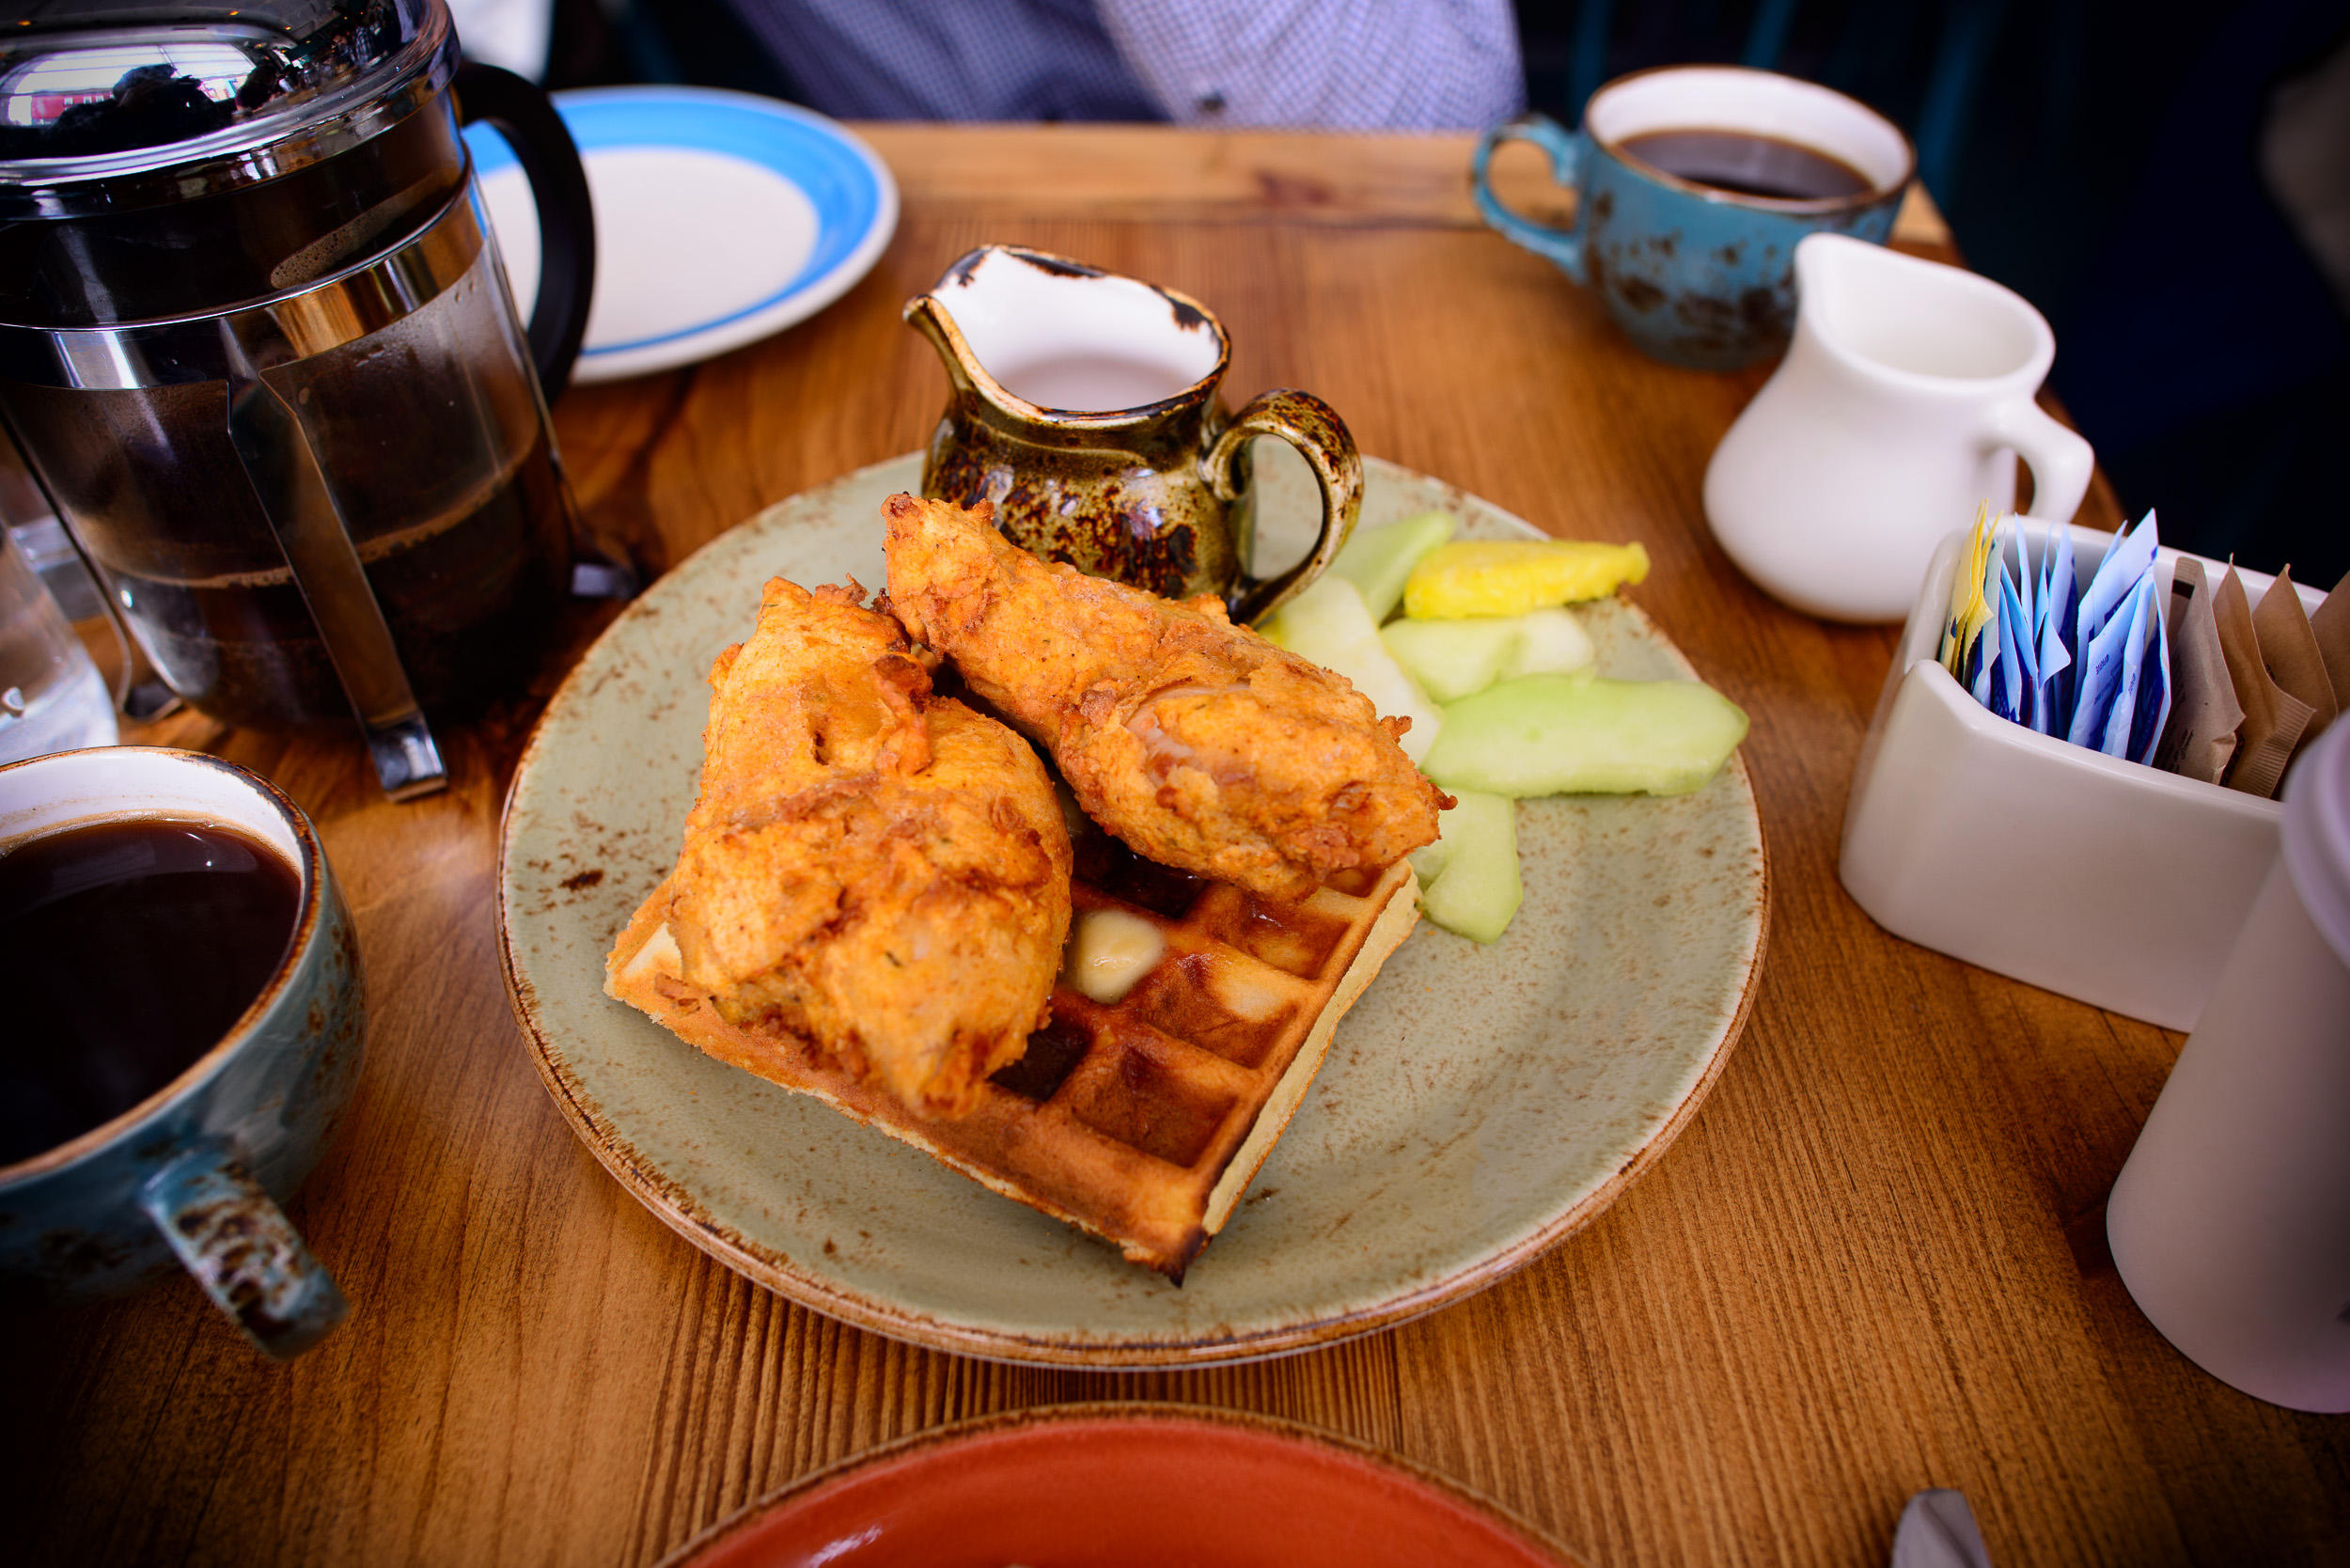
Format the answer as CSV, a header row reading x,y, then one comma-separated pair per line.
x,y
877,870
1196,741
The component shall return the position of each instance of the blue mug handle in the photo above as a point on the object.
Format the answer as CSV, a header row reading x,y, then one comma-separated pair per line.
x,y
1566,148
234,1237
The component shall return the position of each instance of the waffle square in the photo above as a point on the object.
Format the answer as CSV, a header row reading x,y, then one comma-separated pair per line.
x,y
1141,1119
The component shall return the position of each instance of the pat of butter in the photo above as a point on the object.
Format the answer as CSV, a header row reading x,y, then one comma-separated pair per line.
x,y
659,955
1108,951
1250,996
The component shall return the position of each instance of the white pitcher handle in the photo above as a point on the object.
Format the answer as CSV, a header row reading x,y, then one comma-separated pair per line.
x,y
2062,461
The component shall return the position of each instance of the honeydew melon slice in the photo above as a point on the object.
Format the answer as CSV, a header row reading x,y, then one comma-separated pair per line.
x,y
1377,561
1468,879
1329,624
1453,659
1562,734
1550,642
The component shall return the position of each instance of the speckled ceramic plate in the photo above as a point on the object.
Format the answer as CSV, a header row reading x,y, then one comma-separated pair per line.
x,y
1479,1104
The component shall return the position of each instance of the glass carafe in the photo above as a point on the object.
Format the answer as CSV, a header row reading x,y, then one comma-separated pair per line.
x,y
272,378
427,441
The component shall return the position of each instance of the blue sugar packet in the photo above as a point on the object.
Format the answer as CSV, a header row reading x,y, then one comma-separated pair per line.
x,y
2027,630
2151,715
2011,687
2099,678
2117,577
2089,665
2113,739
2059,602
2019,607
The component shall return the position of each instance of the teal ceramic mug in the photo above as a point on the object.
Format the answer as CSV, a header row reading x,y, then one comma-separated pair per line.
x,y
1694,184
188,1159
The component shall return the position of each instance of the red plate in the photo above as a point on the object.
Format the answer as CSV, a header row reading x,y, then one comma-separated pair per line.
x,y
1122,1486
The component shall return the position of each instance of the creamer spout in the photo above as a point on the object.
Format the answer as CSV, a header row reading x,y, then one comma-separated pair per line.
x,y
927,316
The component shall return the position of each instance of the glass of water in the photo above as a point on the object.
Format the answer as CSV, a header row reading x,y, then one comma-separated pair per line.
x,y
52,697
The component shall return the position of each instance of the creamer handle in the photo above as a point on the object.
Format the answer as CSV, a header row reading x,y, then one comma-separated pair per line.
x,y
1321,437
2062,461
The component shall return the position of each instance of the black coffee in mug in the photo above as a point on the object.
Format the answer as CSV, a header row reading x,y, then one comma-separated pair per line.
x,y
128,949
1748,163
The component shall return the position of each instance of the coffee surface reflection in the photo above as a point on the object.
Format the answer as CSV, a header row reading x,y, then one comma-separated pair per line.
x,y
1748,163
127,949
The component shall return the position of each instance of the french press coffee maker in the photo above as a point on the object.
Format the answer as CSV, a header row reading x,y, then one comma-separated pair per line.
x,y
256,344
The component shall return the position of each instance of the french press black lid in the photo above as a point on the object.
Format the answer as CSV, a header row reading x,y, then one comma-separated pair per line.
x,y
164,160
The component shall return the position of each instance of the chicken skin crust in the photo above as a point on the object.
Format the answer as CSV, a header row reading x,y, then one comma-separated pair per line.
x,y
1196,741
874,870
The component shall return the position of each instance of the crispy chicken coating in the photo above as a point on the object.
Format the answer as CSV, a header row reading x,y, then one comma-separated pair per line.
x,y
875,870
1199,743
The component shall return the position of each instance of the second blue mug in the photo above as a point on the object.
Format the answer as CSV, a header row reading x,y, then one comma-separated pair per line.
x,y
1693,185
190,1174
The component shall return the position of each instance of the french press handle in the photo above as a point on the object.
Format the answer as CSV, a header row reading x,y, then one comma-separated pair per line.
x,y
520,112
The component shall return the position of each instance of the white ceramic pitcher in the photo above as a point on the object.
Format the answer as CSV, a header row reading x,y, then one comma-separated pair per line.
x,y
1898,411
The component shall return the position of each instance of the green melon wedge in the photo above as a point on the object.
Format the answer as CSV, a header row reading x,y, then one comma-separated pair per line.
x,y
1328,624
1563,734
1379,560
1453,659
1468,879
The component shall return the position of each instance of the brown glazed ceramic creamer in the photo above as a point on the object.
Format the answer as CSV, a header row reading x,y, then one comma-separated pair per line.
x,y
1084,406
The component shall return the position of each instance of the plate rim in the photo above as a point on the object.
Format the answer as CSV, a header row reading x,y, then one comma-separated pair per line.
x,y
1279,1428
676,1208
691,345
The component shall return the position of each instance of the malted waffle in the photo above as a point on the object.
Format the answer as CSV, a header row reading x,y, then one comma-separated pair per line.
x,y
1141,1119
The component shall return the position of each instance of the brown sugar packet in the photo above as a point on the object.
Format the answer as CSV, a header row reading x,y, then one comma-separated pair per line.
x,y
2199,737
2272,717
2290,651
2330,625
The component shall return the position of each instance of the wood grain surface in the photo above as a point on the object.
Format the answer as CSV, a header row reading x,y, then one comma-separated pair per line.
x,y
1873,1264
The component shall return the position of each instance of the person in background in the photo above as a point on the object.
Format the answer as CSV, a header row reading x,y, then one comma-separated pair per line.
x,y
512,34
1338,64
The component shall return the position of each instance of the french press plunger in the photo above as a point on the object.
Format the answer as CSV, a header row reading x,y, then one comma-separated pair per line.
x,y
256,345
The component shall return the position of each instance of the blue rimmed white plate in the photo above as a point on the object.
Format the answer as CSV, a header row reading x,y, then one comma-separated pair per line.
x,y
721,217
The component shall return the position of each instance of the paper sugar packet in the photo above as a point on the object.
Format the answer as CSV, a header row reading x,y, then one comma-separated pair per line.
x,y
2199,737
2274,718
2330,625
2290,653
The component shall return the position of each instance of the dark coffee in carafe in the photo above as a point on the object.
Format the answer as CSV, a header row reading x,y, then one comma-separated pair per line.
x,y
256,346
452,500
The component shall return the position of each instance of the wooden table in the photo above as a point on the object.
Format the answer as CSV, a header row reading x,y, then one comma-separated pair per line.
x,y
1874,1263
